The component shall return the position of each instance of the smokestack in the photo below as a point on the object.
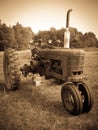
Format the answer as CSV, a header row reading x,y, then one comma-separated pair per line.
x,y
67,32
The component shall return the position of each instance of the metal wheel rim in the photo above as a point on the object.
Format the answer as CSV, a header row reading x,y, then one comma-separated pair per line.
x,y
68,100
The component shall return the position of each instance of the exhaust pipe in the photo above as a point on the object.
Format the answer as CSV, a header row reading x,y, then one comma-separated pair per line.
x,y
67,32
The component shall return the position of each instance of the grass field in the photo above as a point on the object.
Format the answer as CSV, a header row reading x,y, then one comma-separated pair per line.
x,y
40,107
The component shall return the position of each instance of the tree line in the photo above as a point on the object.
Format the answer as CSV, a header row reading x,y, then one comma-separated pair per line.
x,y
16,36
19,36
77,39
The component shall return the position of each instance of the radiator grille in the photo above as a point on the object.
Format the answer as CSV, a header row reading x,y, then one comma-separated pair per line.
x,y
75,63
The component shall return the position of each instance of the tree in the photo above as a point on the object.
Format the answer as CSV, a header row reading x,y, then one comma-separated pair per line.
x,y
77,39
22,35
97,43
7,37
90,39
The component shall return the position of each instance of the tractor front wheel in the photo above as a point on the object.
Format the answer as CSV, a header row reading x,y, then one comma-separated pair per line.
x,y
11,69
87,97
71,99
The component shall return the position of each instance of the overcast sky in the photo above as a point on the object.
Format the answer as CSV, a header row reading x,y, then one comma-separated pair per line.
x,y
44,14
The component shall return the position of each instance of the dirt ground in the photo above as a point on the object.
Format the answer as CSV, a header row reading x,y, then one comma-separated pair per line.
x,y
40,107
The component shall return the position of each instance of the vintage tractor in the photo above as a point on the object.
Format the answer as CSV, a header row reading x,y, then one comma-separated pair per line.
x,y
62,63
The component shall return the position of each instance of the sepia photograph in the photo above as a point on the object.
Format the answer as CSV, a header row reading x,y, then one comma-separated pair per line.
x,y
48,65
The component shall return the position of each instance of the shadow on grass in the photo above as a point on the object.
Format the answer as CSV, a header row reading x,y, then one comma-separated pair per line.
x,y
43,100
2,85
95,87
42,106
2,89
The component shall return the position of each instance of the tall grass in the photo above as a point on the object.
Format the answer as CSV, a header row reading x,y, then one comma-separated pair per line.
x,y
40,107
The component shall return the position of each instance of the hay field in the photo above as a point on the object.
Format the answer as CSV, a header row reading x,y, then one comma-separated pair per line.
x,y
40,107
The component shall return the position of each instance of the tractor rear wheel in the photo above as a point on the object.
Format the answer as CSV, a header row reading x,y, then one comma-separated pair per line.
x,y
71,99
11,69
87,96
